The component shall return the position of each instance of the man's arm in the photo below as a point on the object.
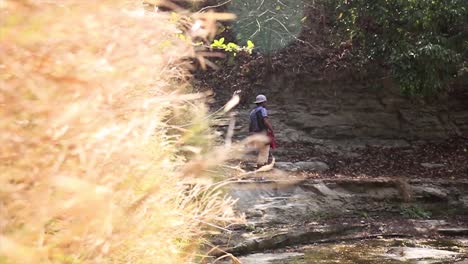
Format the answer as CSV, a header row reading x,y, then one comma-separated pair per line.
x,y
267,123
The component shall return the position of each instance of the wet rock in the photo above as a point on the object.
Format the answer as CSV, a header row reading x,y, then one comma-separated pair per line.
x,y
262,258
432,165
293,237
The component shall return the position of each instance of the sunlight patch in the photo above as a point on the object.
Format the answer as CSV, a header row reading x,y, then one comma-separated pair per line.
x,y
271,25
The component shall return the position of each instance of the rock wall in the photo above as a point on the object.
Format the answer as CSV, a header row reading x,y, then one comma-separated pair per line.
x,y
306,109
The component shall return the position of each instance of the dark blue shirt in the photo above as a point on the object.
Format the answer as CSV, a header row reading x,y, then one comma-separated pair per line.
x,y
256,119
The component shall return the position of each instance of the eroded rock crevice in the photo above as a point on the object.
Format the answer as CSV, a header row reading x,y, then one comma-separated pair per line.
x,y
285,214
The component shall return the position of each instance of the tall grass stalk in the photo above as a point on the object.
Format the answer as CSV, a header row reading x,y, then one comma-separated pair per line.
x,y
93,147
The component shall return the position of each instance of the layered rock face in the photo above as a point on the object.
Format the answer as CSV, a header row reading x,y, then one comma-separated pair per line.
x,y
305,110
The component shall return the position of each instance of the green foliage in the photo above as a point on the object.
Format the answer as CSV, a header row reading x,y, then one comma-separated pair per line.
x,y
364,215
423,43
249,228
415,212
232,47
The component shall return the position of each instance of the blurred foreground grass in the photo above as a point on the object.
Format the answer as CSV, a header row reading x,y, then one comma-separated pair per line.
x,y
93,119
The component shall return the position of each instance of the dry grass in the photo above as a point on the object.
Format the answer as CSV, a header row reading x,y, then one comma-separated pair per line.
x,y
94,116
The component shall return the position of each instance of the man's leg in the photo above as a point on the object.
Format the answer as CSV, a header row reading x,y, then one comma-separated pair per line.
x,y
263,152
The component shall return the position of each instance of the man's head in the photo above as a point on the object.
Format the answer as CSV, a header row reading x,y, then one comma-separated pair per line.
x,y
260,99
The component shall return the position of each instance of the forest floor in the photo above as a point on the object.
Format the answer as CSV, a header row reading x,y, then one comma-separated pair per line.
x,y
444,160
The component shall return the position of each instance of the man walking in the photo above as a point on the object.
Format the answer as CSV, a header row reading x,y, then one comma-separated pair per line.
x,y
260,124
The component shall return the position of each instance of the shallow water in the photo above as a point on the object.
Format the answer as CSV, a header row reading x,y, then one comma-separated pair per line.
x,y
265,258
393,251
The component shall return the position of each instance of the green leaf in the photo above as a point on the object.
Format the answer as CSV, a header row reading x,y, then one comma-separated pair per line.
x,y
218,43
250,44
182,37
232,45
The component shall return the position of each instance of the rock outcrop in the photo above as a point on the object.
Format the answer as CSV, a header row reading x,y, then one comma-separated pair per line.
x,y
353,115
